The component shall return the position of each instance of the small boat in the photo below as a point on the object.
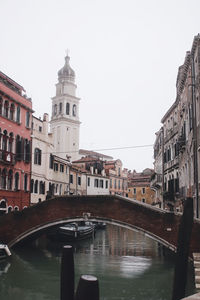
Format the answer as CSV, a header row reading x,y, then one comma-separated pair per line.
x,y
4,251
75,231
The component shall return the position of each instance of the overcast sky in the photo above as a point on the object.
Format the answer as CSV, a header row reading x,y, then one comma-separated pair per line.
x,y
125,53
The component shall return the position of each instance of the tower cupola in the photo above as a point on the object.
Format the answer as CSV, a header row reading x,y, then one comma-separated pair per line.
x,y
66,73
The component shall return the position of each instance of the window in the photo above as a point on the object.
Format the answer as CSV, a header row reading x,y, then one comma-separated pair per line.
x,y
18,114
12,111
4,143
74,110
51,161
61,168
10,142
17,181
3,179
119,184
18,147
41,187
143,200
32,185
60,108
143,190
101,183
36,187
96,183
71,178
27,119
134,191
106,184
10,179
25,182
88,181
67,108
27,151
55,109
115,186
79,180
6,108
37,156
40,128
60,191
55,167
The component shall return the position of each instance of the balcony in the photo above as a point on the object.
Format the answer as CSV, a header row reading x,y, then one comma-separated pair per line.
x,y
156,181
182,142
7,157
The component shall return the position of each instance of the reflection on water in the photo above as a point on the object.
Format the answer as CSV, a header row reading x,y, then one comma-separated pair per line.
x,y
128,264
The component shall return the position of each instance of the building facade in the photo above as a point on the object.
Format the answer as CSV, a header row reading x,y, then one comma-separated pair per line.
x,y
50,173
181,137
139,187
15,145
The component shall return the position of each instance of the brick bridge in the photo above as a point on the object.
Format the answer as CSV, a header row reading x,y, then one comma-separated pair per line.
x,y
160,225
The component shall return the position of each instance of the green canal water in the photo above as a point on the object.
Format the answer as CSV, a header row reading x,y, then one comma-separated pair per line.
x,y
128,264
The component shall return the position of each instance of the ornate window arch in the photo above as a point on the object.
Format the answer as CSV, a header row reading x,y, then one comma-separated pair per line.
x,y
67,108
16,181
12,111
10,179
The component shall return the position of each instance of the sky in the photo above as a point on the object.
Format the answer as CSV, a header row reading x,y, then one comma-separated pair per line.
x,y
125,54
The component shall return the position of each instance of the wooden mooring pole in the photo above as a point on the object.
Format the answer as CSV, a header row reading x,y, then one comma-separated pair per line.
x,y
67,274
88,288
182,254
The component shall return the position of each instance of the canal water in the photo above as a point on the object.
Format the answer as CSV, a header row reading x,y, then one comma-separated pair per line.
x,y
128,264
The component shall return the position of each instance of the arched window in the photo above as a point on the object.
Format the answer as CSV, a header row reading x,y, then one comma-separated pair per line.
x,y
18,147
10,142
32,185
10,179
60,192
37,156
10,209
3,178
17,181
12,111
55,109
74,110
3,206
1,105
67,108
36,187
60,108
25,182
27,119
4,143
41,188
16,208
27,150
18,114
6,108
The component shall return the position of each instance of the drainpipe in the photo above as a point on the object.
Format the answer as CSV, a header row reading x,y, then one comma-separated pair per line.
x,y
195,140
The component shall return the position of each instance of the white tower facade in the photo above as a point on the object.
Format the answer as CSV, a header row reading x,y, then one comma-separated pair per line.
x,y
65,124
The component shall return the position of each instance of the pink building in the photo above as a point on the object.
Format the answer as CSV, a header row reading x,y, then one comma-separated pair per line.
x,y
15,145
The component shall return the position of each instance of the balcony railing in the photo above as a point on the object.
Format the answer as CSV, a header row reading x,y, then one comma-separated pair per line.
x,y
7,157
182,142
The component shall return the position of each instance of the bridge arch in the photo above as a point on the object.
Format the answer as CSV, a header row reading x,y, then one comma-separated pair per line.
x,y
158,224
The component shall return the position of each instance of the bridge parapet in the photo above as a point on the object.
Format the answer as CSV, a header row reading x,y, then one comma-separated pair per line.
x,y
157,223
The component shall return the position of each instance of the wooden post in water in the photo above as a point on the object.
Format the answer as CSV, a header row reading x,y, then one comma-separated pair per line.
x,y
67,274
88,288
183,243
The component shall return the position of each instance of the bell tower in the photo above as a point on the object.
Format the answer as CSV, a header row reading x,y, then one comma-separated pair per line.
x,y
65,122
